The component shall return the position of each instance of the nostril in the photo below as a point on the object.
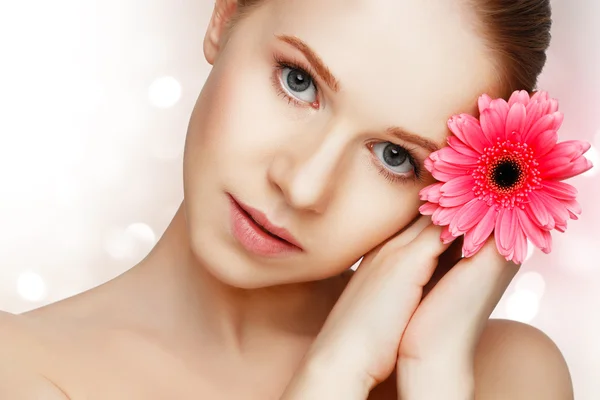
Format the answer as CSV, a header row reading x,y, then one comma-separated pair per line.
x,y
308,195
279,174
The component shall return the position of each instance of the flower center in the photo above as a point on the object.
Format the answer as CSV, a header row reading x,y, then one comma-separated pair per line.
x,y
506,173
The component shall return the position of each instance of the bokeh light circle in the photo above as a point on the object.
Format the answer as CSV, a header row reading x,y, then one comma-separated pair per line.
x,y
531,281
522,306
132,243
164,92
31,286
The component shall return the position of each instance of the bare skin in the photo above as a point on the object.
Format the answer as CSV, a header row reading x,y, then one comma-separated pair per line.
x,y
202,317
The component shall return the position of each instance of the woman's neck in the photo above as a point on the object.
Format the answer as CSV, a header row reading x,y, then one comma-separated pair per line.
x,y
173,293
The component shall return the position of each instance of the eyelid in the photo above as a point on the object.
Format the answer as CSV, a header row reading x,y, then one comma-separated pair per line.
x,y
416,175
411,150
281,63
296,63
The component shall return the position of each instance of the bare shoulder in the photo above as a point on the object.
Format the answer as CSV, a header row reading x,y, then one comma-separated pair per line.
x,y
20,356
517,361
513,361
15,339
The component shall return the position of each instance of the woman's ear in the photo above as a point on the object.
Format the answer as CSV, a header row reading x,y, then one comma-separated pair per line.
x,y
217,28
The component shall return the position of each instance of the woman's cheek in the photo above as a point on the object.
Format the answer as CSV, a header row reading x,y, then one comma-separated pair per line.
x,y
245,111
379,210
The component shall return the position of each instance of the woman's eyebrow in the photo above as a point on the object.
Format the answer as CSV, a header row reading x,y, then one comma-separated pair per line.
x,y
319,66
413,138
327,76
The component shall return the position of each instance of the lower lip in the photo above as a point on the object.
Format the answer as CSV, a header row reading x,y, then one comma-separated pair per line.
x,y
253,238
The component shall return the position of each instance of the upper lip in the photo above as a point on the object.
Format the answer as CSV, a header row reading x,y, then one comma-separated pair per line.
x,y
261,219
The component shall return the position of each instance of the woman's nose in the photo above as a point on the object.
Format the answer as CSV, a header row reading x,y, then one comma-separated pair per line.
x,y
307,178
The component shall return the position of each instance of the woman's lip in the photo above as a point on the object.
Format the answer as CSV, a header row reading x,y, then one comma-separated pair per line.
x,y
261,219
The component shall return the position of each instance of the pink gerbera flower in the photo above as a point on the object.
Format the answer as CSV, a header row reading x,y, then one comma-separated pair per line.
x,y
502,173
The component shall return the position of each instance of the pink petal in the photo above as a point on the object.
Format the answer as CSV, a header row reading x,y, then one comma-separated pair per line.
x,y
520,250
483,102
573,207
540,95
428,208
492,125
545,123
544,142
484,228
534,113
505,230
470,247
451,168
509,255
547,163
468,216
555,208
459,185
501,106
560,190
548,242
451,156
532,231
518,96
473,133
552,106
515,121
444,176
558,120
538,212
442,216
431,193
567,171
454,201
462,148
446,237
455,126
428,164
569,148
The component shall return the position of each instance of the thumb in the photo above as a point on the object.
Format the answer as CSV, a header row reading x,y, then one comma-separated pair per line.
x,y
400,239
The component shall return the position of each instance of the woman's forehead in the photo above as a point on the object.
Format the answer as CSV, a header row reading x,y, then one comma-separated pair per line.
x,y
393,53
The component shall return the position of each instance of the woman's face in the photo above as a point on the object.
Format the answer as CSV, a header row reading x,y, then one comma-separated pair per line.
x,y
319,113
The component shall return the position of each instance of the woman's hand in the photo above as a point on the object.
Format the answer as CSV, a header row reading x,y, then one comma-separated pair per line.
x,y
439,342
378,325
357,347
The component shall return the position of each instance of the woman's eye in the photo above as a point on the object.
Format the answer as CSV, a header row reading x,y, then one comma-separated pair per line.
x,y
395,158
299,84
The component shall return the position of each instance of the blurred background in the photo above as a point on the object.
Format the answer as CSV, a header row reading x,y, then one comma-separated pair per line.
x,y
95,98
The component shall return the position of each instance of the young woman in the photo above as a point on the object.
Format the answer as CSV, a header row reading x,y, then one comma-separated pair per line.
x,y
305,153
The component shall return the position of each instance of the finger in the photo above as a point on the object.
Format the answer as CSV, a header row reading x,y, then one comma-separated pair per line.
x,y
404,236
411,232
426,242
393,283
423,253
489,274
462,301
418,259
447,260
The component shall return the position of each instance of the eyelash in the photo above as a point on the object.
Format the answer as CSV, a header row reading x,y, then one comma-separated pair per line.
x,y
395,178
282,63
